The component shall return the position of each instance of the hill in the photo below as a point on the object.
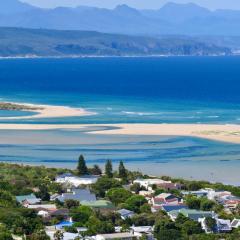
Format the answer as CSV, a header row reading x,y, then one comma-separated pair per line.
x,y
19,42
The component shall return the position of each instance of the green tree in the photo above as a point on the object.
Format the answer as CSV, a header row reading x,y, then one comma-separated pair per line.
x,y
118,195
136,188
122,172
207,205
58,235
193,202
82,168
103,184
135,202
39,235
71,203
81,214
109,169
191,227
210,223
96,170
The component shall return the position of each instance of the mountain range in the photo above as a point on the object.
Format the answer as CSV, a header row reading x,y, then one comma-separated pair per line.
x,y
185,19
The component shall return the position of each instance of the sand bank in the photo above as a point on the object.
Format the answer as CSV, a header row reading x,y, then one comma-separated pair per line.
x,y
49,111
225,133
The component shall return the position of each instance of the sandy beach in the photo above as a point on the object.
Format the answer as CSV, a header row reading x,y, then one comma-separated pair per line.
x,y
50,111
225,133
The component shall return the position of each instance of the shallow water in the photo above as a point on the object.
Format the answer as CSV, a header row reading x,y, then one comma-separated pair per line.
x,y
127,90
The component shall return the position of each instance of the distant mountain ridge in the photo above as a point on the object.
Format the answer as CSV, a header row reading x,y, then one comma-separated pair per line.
x,y
187,19
19,42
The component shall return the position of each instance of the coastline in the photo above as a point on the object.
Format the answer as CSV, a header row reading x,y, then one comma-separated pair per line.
x,y
223,133
48,111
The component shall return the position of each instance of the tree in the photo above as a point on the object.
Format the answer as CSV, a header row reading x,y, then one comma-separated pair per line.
x,y
109,169
193,202
82,168
135,202
58,235
210,223
39,235
207,205
122,172
81,214
191,227
103,184
43,193
136,188
118,195
71,203
96,170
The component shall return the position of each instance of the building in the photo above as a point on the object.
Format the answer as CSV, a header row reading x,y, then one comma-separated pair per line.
x,y
235,223
76,181
173,207
28,199
139,231
125,213
190,213
222,226
117,236
39,207
98,204
148,183
165,198
76,194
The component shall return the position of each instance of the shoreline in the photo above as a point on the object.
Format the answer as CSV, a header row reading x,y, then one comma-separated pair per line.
x,y
224,133
47,111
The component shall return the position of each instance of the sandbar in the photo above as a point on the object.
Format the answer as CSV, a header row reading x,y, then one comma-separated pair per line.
x,y
48,111
219,132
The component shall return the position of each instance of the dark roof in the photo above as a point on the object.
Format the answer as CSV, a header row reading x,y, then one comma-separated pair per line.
x,y
79,195
169,208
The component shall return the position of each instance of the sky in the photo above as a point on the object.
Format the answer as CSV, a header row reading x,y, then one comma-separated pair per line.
x,y
141,4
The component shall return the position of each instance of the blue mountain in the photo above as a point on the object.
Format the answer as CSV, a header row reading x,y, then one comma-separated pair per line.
x,y
183,19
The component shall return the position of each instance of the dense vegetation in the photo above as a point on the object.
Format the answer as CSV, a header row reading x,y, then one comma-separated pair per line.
x,y
44,43
15,106
18,179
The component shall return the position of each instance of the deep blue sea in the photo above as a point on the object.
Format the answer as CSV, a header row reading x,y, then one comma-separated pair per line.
x,y
127,90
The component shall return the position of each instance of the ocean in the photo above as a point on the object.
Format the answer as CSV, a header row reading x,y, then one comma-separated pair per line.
x,y
126,90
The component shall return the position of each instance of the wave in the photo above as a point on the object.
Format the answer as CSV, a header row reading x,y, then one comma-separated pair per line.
x,y
140,113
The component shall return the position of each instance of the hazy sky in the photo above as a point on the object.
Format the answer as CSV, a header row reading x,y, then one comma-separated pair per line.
x,y
212,4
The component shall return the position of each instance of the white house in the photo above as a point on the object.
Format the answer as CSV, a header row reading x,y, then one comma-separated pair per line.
x,y
147,183
75,180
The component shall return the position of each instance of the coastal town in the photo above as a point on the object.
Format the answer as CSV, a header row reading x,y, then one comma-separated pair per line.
x,y
38,203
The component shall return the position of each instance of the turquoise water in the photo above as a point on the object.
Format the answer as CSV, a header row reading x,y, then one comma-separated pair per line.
x,y
127,90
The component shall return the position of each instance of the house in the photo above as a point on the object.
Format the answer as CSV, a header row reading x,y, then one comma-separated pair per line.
x,y
98,204
235,223
222,225
28,199
44,207
147,183
139,231
165,198
117,236
76,181
200,193
44,214
76,194
147,194
125,213
169,186
190,213
173,207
